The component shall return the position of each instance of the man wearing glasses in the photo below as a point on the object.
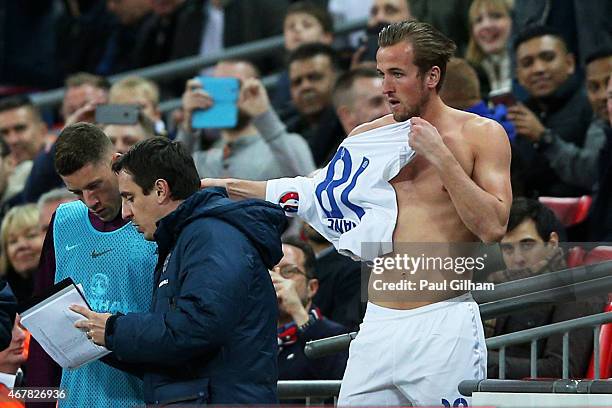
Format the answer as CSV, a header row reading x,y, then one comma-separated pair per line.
x,y
300,321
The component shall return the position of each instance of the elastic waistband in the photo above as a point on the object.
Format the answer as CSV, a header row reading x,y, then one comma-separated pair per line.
x,y
376,312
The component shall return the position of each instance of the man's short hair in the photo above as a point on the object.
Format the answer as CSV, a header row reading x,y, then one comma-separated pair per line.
x,y
160,158
20,101
78,145
55,195
529,209
346,81
309,256
241,61
85,78
136,84
599,54
461,80
320,14
311,50
535,31
431,47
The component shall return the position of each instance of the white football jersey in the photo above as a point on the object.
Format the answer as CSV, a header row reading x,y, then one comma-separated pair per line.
x,y
351,202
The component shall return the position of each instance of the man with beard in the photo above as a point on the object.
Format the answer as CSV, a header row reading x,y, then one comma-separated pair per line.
x,y
258,147
456,189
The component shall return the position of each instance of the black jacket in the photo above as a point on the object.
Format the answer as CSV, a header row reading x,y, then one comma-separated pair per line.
x,y
211,334
8,306
568,114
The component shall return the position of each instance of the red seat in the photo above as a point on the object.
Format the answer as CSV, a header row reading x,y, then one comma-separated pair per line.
x,y
569,210
575,256
598,254
605,349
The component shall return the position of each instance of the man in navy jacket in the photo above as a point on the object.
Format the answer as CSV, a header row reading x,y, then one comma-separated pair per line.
x,y
8,305
210,337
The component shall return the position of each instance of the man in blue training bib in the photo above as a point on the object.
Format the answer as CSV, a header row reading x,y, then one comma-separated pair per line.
x,y
90,242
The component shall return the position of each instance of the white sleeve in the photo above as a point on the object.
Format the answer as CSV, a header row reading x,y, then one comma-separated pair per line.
x,y
295,195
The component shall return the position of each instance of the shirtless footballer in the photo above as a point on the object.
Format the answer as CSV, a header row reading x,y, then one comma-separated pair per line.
x,y
456,189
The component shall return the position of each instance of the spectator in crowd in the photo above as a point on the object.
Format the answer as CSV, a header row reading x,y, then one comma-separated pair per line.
x,y
358,98
600,216
339,281
88,241
300,320
461,90
313,72
584,25
83,92
8,306
125,136
214,313
382,13
259,146
23,131
48,203
139,91
182,28
12,358
304,23
118,54
21,246
531,247
389,11
557,108
490,24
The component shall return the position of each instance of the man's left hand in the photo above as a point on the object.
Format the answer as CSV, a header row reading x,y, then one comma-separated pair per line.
x,y
95,324
526,122
426,140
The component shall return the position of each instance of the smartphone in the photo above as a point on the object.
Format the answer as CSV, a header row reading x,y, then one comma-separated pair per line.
x,y
502,97
223,114
117,114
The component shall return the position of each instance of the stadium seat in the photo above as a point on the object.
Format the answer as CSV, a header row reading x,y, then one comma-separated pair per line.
x,y
569,210
598,254
605,349
575,256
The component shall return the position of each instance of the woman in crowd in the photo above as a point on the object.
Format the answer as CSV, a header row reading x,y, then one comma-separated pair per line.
x,y
490,24
21,241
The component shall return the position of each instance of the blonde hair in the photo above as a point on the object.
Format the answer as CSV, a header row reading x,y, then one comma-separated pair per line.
x,y
18,218
135,84
474,53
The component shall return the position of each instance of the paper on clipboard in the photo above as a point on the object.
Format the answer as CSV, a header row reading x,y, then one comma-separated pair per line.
x,y
51,323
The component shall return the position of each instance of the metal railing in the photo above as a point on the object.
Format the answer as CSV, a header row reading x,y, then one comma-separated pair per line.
x,y
185,67
469,387
309,389
589,281
536,333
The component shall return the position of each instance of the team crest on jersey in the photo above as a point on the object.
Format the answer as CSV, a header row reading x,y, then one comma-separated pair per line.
x,y
289,202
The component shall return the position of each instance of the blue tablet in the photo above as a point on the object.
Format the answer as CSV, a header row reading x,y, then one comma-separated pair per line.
x,y
223,113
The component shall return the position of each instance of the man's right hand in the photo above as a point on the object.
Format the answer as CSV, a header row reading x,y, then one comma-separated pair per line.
x,y
194,98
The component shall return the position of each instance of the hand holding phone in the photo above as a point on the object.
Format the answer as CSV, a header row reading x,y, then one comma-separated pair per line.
x,y
502,97
117,114
223,111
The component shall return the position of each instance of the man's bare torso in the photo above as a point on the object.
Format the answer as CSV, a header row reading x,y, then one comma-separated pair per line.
x,y
426,213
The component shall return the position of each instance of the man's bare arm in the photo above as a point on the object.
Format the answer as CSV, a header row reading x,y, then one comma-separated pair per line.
x,y
482,201
238,189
